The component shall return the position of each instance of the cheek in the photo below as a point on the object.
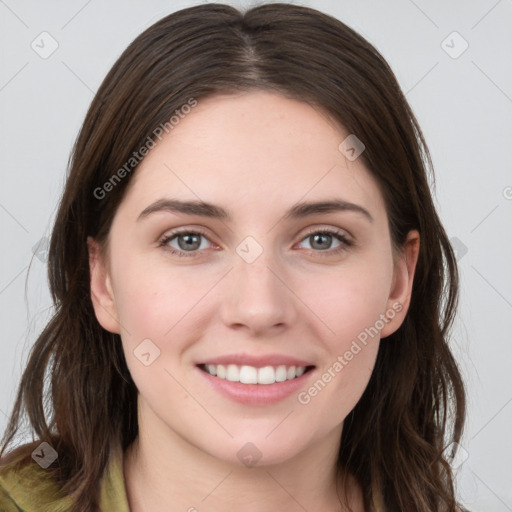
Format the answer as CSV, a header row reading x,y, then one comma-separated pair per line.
x,y
152,306
350,304
148,295
156,301
350,300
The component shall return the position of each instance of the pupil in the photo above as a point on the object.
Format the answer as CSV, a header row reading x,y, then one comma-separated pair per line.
x,y
190,242
319,237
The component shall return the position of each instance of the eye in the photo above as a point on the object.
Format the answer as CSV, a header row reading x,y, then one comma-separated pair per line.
x,y
189,243
322,241
186,243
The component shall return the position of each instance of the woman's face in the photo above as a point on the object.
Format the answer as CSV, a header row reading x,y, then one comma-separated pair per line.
x,y
261,282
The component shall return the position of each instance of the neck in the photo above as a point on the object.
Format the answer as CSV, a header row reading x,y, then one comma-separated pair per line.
x,y
164,472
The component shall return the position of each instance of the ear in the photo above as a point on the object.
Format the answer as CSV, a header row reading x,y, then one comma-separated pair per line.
x,y
401,288
102,294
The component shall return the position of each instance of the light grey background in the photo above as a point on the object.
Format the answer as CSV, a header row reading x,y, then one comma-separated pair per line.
x,y
463,104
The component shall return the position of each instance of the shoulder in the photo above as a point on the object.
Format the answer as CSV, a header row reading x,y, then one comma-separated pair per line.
x,y
26,486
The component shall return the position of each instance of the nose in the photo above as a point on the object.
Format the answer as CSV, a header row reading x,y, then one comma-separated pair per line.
x,y
260,297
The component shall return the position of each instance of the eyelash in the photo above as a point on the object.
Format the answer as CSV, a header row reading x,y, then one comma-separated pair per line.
x,y
345,242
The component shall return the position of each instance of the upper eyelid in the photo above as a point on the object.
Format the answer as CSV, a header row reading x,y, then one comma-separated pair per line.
x,y
334,231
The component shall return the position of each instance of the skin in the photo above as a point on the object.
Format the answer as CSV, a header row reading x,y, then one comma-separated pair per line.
x,y
294,299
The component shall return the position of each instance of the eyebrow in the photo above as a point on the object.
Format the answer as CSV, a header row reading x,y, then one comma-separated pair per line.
x,y
298,211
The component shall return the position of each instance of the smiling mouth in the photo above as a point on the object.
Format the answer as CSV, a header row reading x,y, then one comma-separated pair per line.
x,y
245,374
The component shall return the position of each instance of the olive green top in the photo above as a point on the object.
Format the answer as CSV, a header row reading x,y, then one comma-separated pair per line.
x,y
26,487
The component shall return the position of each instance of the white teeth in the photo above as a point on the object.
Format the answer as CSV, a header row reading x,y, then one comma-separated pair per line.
x,y
233,373
248,375
281,374
251,375
221,371
266,375
211,369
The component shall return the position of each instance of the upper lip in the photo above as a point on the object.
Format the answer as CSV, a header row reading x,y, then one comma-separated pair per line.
x,y
258,361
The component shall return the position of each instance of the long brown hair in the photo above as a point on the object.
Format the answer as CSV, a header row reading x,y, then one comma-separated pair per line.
x,y
414,406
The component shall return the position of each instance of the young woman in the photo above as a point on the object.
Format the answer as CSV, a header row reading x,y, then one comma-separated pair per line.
x,y
253,290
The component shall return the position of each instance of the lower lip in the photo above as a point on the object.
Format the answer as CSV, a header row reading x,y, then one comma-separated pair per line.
x,y
256,394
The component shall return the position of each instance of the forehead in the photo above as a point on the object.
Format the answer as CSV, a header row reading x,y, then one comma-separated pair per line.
x,y
253,151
